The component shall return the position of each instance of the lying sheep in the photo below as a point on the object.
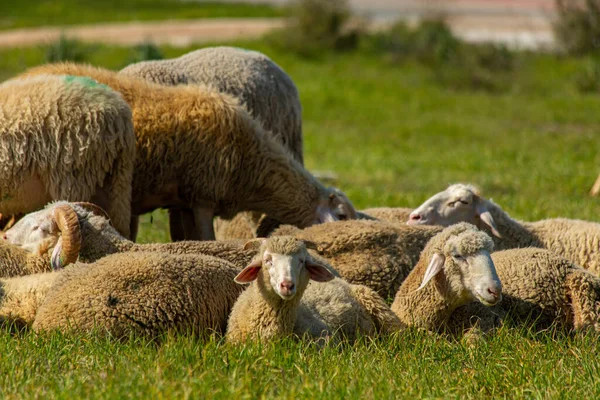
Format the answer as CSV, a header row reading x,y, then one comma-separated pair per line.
x,y
576,240
372,253
394,215
280,301
65,138
183,132
455,268
263,88
541,289
16,261
89,236
142,293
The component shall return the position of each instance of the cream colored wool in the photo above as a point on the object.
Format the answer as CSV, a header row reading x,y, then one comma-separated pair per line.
x,y
262,86
142,293
576,240
21,297
395,215
371,253
431,306
199,149
318,309
540,288
65,138
15,261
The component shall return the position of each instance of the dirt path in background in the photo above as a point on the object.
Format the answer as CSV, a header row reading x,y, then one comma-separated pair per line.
x,y
524,23
173,32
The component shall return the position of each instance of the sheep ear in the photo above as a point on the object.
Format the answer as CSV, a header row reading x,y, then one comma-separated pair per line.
x,y
324,214
56,261
487,218
434,267
254,244
318,272
249,273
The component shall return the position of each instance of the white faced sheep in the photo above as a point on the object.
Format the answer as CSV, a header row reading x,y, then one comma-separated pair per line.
x,y
270,96
183,132
142,293
372,253
65,138
540,289
455,268
576,240
89,236
280,301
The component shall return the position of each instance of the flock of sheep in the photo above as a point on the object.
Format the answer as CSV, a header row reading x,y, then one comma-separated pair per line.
x,y
215,137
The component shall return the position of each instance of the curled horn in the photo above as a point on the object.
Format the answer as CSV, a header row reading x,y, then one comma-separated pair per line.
x,y
94,208
68,225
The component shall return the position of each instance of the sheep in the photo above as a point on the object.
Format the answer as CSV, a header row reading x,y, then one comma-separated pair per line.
x,y
199,148
540,289
454,268
90,236
576,240
141,293
372,253
394,215
65,138
270,96
281,302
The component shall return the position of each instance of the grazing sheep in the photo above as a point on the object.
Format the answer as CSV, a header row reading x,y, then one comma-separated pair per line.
x,y
576,240
183,132
280,301
143,293
539,288
65,138
455,268
263,88
371,253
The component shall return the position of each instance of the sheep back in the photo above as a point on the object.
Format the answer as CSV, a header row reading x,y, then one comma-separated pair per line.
x,y
144,293
68,138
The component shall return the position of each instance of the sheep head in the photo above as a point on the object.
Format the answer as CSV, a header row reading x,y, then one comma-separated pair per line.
x,y
461,257
57,227
458,203
283,268
334,206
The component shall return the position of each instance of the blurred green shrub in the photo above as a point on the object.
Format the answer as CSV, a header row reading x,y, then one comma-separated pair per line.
x,y
577,26
588,79
146,51
65,49
317,26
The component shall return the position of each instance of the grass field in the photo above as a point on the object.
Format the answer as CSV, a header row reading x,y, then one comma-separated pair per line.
x,y
394,136
32,13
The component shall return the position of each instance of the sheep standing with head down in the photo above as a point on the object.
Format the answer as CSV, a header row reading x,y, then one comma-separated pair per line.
x,y
65,138
183,132
270,96
281,301
576,240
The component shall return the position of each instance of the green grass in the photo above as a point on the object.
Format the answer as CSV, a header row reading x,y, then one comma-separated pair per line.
x,y
394,137
33,13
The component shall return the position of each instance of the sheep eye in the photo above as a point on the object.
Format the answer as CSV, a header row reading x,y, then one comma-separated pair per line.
x,y
36,227
458,257
463,202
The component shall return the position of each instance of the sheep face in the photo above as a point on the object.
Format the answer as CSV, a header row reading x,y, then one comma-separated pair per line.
x,y
335,206
458,203
285,267
467,267
36,232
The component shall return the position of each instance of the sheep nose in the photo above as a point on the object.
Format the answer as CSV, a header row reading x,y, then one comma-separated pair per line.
x,y
494,292
414,217
287,287
5,237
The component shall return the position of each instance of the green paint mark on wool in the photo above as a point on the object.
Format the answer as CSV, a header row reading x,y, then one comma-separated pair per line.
x,y
84,81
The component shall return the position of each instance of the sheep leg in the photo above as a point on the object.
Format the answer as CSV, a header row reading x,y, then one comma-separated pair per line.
x,y
176,229
134,223
584,291
189,225
203,217
596,188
